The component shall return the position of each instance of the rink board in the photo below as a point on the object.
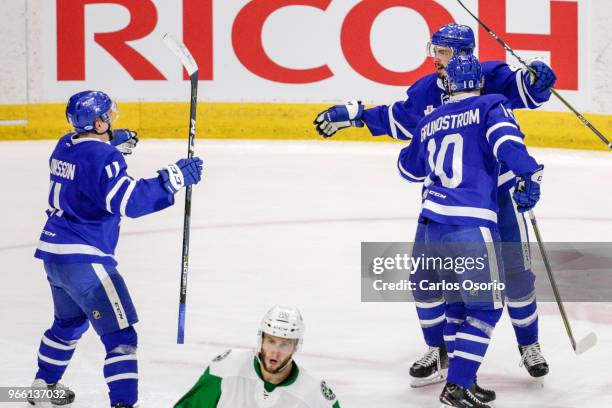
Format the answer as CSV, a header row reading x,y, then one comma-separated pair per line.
x,y
272,121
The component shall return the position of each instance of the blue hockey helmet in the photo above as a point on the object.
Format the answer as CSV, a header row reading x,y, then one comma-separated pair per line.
x,y
458,37
463,73
85,107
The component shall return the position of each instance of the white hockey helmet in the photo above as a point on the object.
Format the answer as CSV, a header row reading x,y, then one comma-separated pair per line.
x,y
281,321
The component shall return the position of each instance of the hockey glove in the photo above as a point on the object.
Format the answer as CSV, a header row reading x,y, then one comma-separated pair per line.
x,y
184,173
339,117
124,140
542,76
527,191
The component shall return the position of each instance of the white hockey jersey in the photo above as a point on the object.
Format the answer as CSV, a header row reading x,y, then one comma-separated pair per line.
x,y
234,380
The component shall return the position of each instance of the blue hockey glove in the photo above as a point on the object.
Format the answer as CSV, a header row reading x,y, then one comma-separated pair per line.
x,y
124,140
544,78
527,190
184,173
339,117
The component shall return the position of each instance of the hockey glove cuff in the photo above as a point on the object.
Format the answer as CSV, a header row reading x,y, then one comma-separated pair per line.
x,y
527,191
339,117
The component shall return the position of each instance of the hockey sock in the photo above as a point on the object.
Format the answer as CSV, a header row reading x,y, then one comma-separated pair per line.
x,y
432,320
471,343
455,316
121,366
524,317
57,347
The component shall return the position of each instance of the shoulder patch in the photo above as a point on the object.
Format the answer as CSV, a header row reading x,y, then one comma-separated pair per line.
x,y
222,356
328,394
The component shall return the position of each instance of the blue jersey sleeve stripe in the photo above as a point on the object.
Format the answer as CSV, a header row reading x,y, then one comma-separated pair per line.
x,y
521,77
109,171
519,86
527,77
504,178
113,192
506,138
394,125
407,175
126,198
498,126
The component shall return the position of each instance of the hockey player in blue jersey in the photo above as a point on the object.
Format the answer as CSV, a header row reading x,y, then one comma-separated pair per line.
x,y
399,120
457,153
90,191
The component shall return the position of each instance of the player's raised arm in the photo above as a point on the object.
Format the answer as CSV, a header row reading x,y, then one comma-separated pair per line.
x,y
134,198
524,89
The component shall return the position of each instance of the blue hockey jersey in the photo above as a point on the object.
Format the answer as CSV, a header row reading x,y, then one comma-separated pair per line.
x,y
90,190
457,153
399,120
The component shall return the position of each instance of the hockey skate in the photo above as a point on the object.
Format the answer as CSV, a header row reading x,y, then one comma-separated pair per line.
x,y
432,368
456,396
484,395
52,395
533,360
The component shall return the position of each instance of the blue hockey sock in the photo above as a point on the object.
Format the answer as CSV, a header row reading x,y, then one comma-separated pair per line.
x,y
471,343
455,316
54,355
432,320
524,317
57,347
121,366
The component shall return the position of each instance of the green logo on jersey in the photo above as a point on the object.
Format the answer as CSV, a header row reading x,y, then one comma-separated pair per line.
x,y
327,392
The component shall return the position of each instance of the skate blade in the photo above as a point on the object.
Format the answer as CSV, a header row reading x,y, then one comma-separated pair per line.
x,y
586,343
432,379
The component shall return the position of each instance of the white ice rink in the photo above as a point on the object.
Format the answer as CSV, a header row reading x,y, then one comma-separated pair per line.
x,y
282,222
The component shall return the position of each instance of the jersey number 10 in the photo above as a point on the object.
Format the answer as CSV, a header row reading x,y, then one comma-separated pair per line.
x,y
436,162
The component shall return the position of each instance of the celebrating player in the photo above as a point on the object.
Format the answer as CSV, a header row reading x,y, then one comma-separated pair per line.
x,y
89,193
523,89
269,378
457,153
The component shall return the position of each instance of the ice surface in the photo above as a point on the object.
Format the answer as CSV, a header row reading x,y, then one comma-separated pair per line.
x,y
282,222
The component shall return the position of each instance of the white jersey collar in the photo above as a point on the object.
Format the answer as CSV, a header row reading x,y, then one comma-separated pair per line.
x,y
460,97
76,140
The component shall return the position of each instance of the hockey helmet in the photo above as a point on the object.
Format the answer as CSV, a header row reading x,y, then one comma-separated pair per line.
x,y
458,37
284,322
85,107
463,73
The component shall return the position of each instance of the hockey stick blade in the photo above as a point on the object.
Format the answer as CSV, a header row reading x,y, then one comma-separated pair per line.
x,y
182,53
587,343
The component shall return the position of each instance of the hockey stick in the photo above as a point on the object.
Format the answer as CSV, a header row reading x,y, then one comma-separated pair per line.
x,y
590,339
552,90
190,65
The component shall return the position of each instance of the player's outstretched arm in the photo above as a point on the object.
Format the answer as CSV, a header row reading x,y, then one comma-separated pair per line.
x,y
524,89
121,194
204,394
339,117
